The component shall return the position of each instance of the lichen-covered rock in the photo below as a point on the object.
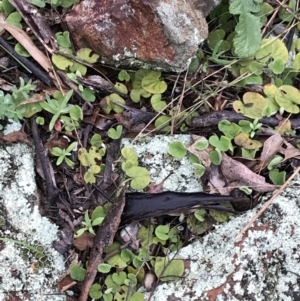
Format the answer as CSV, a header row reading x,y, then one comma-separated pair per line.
x,y
263,265
160,34
30,267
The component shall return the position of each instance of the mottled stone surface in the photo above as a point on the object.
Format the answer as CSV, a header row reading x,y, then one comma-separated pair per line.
x,y
263,265
160,34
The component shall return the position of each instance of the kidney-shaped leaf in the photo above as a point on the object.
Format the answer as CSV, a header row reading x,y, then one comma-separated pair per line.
x,y
288,97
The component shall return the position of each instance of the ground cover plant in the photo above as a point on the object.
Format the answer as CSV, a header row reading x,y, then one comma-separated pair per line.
x,y
239,100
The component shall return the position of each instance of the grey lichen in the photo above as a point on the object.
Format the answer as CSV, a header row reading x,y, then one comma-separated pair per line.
x,y
153,154
264,265
22,271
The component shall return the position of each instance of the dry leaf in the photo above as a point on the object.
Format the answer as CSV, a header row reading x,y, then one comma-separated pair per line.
x,y
84,241
15,137
22,37
236,171
217,181
202,155
270,148
289,151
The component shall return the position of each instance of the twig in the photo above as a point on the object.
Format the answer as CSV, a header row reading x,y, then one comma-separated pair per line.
x,y
104,237
267,204
23,61
52,191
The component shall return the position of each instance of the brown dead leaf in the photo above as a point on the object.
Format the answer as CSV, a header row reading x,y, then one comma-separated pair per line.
x,y
123,120
34,98
15,137
13,296
217,181
84,241
270,148
22,37
65,283
236,171
157,188
202,155
62,143
289,151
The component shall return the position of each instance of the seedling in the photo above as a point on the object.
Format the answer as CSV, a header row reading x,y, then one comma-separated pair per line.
x,y
138,176
115,133
89,223
13,106
63,154
91,158
277,177
177,149
77,272
56,106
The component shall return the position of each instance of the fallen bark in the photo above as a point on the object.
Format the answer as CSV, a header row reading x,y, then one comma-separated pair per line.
x,y
212,119
140,206
104,237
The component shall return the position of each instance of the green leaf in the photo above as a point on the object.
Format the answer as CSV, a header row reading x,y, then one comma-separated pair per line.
x,y
117,99
129,153
123,76
245,189
215,157
88,95
140,175
8,7
21,50
252,106
56,151
135,95
277,177
115,133
104,268
215,37
244,6
199,169
162,232
288,97
14,19
248,38
85,55
200,215
219,216
138,76
77,272
222,144
121,88
152,83
61,62
63,39
96,140
194,64
162,123
177,149
98,213
137,296
95,291
40,120
229,129
196,226
168,270
157,104
119,277
76,113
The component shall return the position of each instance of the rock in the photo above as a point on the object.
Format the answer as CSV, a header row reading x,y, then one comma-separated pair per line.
x,y
30,267
159,34
263,265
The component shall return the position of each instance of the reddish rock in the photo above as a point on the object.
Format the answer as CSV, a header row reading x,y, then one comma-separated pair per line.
x,y
161,34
